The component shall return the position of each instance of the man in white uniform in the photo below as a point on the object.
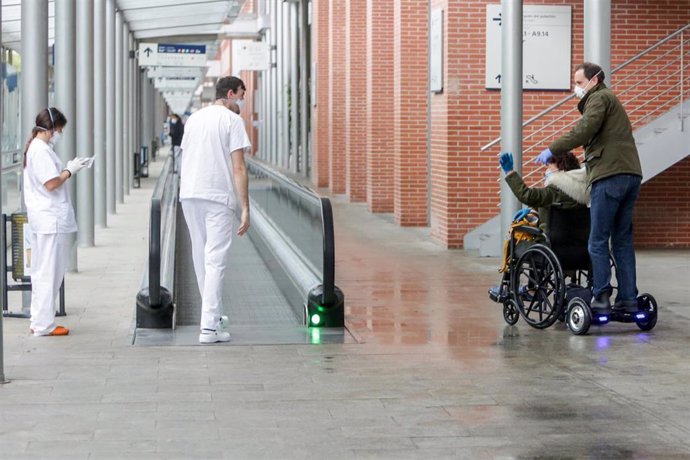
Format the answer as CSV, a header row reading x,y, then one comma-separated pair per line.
x,y
213,179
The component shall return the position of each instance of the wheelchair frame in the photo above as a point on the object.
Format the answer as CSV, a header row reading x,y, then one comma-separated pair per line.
x,y
533,287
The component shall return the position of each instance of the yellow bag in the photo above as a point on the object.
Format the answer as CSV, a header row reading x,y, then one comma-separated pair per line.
x,y
531,219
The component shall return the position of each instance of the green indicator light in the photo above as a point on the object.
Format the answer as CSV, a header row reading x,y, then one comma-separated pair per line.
x,y
315,319
315,336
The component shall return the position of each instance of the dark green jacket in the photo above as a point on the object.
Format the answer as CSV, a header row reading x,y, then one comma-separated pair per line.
x,y
606,135
567,188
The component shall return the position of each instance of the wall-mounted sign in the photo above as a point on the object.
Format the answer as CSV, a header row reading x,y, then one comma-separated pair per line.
x,y
250,55
546,35
436,51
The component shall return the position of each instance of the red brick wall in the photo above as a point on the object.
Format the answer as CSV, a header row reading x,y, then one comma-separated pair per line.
x,y
662,214
248,112
355,108
320,160
410,107
379,106
336,95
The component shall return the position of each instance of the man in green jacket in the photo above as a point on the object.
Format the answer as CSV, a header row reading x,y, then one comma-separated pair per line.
x,y
614,174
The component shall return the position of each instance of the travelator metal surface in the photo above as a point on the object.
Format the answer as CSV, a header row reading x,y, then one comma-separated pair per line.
x,y
279,280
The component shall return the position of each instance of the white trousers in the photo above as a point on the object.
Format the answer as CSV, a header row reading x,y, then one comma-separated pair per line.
x,y
211,227
48,262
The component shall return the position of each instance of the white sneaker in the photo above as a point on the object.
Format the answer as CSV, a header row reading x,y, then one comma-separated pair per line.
x,y
207,336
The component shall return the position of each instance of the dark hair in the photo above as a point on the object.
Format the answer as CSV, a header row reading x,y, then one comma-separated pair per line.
x,y
47,119
565,162
226,84
591,71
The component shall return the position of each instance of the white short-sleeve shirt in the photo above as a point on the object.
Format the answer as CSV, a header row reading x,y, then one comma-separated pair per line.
x,y
48,212
210,136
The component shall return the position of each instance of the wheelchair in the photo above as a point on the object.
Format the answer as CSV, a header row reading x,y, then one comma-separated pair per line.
x,y
549,279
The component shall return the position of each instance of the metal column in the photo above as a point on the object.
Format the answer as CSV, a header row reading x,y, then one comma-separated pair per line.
x,y
126,109
143,108
34,62
85,112
304,72
110,135
294,62
2,231
119,106
99,108
66,98
273,89
598,34
284,79
511,100
132,110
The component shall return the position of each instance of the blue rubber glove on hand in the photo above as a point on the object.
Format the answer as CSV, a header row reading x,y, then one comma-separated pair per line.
x,y
518,216
544,156
506,162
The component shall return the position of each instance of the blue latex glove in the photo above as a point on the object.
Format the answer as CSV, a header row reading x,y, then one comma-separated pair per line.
x,y
506,162
544,156
521,214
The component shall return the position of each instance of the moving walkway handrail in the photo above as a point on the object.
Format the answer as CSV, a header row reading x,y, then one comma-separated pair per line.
x,y
161,248
324,204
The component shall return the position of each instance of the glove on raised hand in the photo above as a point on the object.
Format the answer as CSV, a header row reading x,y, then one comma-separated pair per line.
x,y
544,156
506,162
74,165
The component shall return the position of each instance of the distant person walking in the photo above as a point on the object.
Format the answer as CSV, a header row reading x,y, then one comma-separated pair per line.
x,y
213,190
176,133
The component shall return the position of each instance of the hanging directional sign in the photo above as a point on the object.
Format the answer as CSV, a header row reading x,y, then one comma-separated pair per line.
x,y
174,72
177,55
148,54
546,36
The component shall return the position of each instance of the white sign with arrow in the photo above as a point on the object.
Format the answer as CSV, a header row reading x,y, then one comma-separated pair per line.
x,y
546,36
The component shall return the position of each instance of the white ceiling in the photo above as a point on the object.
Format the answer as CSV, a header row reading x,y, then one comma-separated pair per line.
x,y
167,21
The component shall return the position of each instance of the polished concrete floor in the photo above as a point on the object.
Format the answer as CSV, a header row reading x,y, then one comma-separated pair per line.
x,y
434,373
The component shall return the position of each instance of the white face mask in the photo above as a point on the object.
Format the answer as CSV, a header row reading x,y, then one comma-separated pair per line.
x,y
240,103
56,138
580,92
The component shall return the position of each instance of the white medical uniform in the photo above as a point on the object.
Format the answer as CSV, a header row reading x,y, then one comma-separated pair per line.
x,y
51,218
207,194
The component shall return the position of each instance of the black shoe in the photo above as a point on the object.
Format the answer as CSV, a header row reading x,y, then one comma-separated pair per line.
x,y
495,293
627,306
601,305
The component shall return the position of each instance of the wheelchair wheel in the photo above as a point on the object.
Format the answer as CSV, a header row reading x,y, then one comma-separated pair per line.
x,y
511,314
538,286
647,306
579,316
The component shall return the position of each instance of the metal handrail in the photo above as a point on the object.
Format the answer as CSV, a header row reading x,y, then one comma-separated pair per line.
x,y
616,69
328,276
166,180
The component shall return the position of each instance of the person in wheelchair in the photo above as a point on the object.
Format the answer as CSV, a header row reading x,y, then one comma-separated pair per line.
x,y
565,186
562,209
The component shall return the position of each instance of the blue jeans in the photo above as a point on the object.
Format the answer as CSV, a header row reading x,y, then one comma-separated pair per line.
x,y
613,200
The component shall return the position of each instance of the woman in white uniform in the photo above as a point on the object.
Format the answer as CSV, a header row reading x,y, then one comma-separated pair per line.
x,y
51,217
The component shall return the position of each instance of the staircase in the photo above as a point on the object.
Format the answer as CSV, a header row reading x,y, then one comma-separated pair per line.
x,y
654,87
